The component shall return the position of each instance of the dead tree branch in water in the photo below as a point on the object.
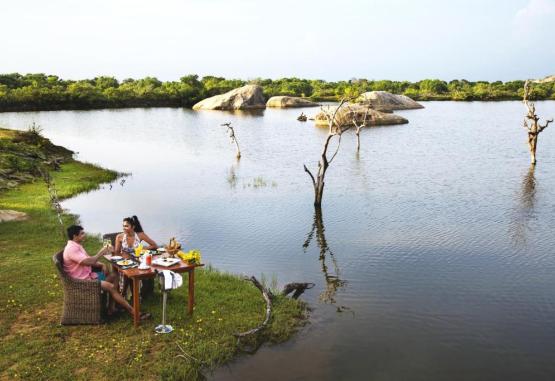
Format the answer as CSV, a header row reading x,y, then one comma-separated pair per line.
x,y
334,129
359,127
534,128
232,137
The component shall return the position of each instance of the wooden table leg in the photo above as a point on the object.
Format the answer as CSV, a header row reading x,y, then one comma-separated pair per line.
x,y
191,290
136,307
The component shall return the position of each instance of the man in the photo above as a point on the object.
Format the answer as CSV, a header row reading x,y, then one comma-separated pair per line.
x,y
79,265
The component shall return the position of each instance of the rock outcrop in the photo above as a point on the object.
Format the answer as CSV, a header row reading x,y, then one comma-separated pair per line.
x,y
384,101
550,78
347,113
248,97
284,101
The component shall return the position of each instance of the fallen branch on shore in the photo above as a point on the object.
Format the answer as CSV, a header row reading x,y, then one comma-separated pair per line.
x,y
187,356
299,288
266,294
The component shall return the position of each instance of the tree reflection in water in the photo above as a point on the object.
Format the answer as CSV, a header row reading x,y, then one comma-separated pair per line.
x,y
332,277
232,177
525,210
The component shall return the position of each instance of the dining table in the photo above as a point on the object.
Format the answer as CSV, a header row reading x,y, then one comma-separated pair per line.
x,y
135,275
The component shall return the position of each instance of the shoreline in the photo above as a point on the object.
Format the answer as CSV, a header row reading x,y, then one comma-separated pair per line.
x,y
38,109
31,302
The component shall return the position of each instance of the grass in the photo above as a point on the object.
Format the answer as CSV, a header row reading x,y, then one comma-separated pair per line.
x,y
33,345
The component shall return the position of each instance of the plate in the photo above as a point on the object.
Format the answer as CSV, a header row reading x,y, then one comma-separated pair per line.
x,y
125,262
166,262
161,250
116,258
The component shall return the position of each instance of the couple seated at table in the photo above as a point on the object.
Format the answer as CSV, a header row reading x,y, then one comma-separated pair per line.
x,y
78,264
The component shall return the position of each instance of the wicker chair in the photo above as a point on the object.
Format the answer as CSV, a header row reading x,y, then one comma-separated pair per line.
x,y
82,298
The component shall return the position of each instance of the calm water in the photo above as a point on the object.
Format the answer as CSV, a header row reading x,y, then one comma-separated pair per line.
x,y
434,256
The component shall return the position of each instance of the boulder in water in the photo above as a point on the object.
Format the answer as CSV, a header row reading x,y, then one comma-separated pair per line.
x,y
286,101
384,101
248,97
347,113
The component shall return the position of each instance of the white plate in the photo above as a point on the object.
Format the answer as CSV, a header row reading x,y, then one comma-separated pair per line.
x,y
166,262
116,258
125,262
145,267
161,250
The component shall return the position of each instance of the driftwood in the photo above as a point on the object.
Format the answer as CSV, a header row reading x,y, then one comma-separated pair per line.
x,y
187,356
299,288
267,297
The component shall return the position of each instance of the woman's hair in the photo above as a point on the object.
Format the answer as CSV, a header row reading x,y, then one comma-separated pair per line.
x,y
134,221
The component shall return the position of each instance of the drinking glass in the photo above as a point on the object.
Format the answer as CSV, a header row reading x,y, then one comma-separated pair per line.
x,y
138,251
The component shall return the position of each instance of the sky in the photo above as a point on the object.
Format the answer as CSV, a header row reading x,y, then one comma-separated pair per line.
x,y
331,40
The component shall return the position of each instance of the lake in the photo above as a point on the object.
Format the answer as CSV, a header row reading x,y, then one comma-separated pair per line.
x,y
433,258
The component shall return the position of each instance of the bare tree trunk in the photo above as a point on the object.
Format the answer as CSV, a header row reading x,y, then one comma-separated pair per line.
x,y
533,143
359,127
233,138
534,128
323,164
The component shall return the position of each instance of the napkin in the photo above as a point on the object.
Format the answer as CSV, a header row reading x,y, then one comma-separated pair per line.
x,y
172,280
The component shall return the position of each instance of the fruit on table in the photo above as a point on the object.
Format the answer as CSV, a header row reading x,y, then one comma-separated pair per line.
x,y
173,247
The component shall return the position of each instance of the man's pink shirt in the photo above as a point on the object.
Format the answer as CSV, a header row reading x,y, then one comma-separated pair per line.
x,y
74,254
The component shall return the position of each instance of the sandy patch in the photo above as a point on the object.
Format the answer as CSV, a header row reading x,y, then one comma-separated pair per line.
x,y
12,215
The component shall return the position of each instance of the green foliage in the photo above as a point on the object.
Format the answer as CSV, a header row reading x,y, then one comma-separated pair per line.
x,y
49,92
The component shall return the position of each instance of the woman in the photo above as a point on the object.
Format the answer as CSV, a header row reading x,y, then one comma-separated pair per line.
x,y
132,237
126,242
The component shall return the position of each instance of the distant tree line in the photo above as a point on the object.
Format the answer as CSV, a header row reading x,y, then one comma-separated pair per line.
x,y
49,92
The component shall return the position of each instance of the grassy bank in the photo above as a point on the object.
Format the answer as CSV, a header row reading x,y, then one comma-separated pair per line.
x,y
34,346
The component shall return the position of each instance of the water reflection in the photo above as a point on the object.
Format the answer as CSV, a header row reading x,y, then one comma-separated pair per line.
x,y
525,210
238,113
232,177
331,276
